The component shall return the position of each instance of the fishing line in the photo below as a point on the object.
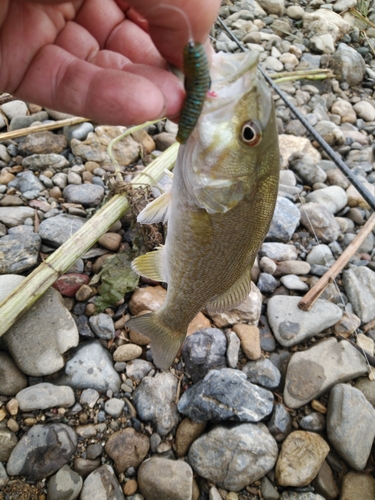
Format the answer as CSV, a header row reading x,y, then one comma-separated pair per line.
x,y
365,193
336,159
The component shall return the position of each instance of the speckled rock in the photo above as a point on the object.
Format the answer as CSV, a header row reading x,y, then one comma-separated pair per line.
x,y
358,487
234,456
302,454
159,478
102,484
280,424
262,372
45,395
204,350
127,448
155,401
56,230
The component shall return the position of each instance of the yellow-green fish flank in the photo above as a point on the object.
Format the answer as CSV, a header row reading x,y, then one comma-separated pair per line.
x,y
220,207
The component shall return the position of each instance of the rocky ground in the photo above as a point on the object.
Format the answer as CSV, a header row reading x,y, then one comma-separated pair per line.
x,y
265,401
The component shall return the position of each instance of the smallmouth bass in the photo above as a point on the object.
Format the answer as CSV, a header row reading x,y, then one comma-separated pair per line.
x,y
219,208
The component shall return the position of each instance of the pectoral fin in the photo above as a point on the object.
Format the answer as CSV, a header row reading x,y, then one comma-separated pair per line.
x,y
165,343
157,210
151,265
232,297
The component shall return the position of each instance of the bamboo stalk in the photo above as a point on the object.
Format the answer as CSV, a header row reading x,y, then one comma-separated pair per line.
x,y
41,128
314,293
37,283
299,72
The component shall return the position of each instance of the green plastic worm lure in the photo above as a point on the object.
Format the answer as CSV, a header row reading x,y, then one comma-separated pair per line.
x,y
197,84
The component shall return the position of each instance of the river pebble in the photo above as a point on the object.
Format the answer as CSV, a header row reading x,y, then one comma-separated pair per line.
x,y
64,485
226,395
45,395
280,424
351,425
127,448
233,457
262,372
102,484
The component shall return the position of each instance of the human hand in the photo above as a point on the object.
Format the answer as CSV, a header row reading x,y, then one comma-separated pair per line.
x,y
99,59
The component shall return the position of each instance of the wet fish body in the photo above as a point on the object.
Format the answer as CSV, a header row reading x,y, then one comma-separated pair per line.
x,y
220,207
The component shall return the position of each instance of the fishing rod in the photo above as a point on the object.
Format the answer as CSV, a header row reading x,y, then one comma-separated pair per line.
x,y
365,193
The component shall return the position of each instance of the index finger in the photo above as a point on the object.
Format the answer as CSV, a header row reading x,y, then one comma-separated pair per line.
x,y
170,29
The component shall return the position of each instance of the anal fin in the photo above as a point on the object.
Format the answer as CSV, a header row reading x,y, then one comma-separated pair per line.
x,y
157,210
151,265
165,343
233,297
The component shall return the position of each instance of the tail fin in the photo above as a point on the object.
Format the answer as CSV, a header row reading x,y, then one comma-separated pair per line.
x,y
165,343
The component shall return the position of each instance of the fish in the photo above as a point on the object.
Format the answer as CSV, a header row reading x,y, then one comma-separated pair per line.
x,y
219,209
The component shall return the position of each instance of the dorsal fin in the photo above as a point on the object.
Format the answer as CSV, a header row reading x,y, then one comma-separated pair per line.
x,y
157,210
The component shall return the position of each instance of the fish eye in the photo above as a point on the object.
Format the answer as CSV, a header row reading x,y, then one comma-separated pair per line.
x,y
250,133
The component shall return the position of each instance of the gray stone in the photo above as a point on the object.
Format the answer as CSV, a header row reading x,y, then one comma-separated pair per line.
x,y
137,369
56,230
204,350
159,478
233,457
102,484
314,422
262,372
15,216
284,222
232,349
44,142
280,424
88,195
155,402
366,247
292,326
294,267
4,478
8,441
19,252
365,111
313,372
226,395
351,425
25,182
102,325
40,162
320,255
333,197
90,366
12,380
89,397
348,65
324,483
269,492
359,284
25,121
64,485
79,131
114,407
278,251
330,132
293,282
367,387
44,395
48,323
319,220
267,283
304,165
41,451
293,495
60,180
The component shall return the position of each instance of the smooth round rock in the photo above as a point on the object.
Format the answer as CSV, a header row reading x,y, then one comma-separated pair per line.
x,y
127,448
127,352
102,484
64,485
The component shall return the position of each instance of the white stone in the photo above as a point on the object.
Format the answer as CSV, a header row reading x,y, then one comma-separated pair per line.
x,y
333,197
14,108
273,64
272,6
4,155
290,144
322,43
345,110
324,21
365,110
365,343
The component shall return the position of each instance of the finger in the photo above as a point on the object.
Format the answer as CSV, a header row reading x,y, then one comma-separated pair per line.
x,y
169,28
58,80
77,41
130,40
100,18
